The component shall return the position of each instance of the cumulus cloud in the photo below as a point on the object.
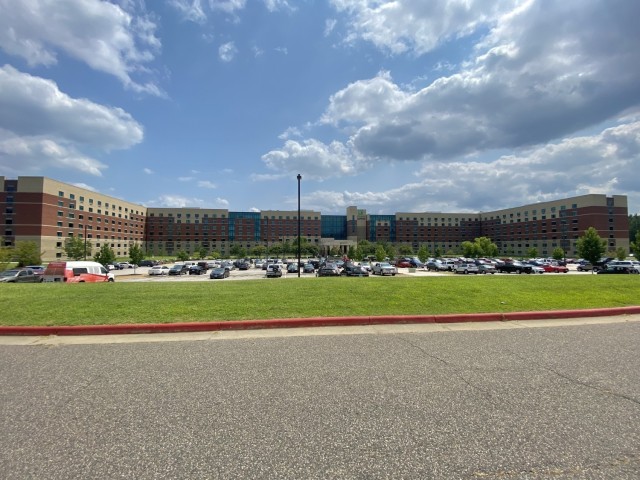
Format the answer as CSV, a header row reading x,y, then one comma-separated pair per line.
x,y
100,34
602,163
538,75
41,126
199,12
227,51
206,184
312,158
413,26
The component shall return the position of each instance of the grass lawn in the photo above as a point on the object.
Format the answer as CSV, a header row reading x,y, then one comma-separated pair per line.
x,y
166,302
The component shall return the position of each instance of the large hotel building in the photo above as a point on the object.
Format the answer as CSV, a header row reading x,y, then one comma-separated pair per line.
x,y
47,211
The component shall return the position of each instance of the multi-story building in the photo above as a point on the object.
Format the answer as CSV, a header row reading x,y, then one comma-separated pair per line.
x,y
47,212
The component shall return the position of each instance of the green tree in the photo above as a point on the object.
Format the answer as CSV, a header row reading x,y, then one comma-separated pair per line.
x,y
486,248
77,248
391,250
437,252
27,253
532,252
136,255
380,253
405,250
590,246
6,254
259,251
214,254
423,253
635,246
334,252
182,256
202,251
557,254
469,249
621,253
352,253
105,255
238,251
634,227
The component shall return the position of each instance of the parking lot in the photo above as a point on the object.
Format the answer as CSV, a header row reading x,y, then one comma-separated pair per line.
x,y
141,274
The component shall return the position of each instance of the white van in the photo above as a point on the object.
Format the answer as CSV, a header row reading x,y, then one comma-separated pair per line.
x,y
77,272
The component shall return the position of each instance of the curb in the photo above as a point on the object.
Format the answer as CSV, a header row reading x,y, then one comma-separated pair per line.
x,y
311,322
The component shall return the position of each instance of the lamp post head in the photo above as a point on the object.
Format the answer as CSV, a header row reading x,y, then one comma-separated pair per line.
x,y
299,177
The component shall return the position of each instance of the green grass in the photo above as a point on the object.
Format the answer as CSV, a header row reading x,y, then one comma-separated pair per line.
x,y
166,302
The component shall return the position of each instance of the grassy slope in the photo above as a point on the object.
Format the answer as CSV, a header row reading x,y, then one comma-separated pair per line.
x,y
56,304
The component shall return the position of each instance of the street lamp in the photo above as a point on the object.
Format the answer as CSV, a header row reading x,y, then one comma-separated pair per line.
x,y
299,178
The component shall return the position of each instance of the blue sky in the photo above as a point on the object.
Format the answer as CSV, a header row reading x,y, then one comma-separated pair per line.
x,y
410,105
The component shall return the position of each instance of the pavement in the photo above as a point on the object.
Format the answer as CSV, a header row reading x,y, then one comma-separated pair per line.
x,y
314,322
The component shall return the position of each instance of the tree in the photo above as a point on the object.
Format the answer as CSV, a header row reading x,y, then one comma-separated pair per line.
x,y
27,253
6,254
182,256
334,252
391,250
558,253
215,254
532,252
486,248
259,251
136,255
621,253
77,248
635,246
105,255
469,249
237,251
437,252
423,253
352,253
590,246
634,227
405,250
380,253
202,251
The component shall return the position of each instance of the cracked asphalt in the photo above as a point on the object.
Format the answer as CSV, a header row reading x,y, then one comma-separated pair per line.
x,y
488,401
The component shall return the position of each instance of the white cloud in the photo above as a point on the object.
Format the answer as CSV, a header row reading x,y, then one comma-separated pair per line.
x,y
175,201
313,159
221,203
416,26
85,186
41,126
207,184
33,106
148,171
602,163
227,51
190,10
329,26
100,34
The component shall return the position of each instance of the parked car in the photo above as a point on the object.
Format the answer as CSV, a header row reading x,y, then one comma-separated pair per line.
x,y
308,268
514,267
123,265
584,267
366,266
615,269
355,271
554,268
328,271
159,270
436,265
196,270
179,269
467,268
403,263
384,268
37,269
146,263
485,268
219,272
274,270
20,275
77,272
293,268
244,265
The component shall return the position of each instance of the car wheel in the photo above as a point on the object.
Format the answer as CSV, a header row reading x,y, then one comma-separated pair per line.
x,y
466,272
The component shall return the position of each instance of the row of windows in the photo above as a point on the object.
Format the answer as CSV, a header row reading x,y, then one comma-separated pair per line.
x,y
72,196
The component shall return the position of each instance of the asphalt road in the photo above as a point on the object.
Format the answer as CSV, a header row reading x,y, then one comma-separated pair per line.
x,y
461,401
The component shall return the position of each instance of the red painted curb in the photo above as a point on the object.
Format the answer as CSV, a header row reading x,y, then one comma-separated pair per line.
x,y
311,322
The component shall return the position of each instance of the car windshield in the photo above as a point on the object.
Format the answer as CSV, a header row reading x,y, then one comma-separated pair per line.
x,y
218,270
9,273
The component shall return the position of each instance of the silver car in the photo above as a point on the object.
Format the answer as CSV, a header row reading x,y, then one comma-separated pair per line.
x,y
384,268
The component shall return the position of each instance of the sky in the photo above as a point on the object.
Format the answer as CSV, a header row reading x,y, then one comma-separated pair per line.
x,y
391,106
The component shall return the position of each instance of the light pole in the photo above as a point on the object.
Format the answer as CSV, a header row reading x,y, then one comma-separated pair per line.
x,y
299,178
